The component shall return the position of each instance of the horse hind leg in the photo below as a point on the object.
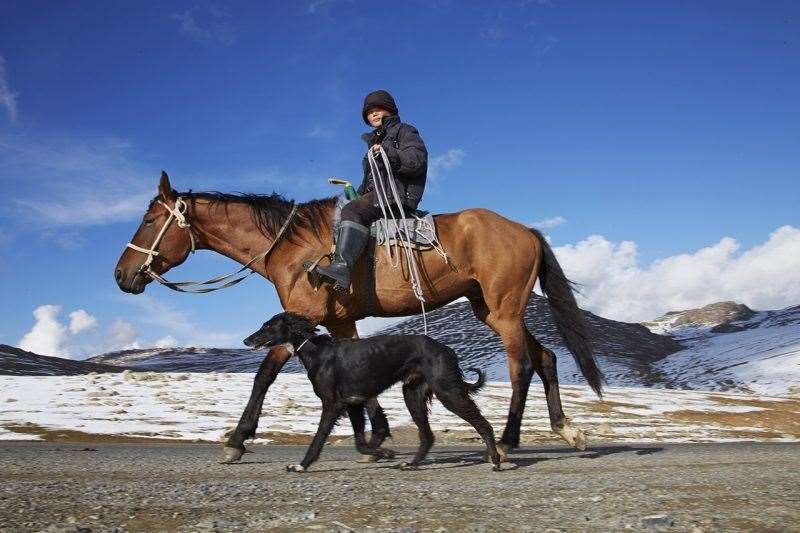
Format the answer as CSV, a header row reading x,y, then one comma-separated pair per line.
x,y
511,330
544,362
377,418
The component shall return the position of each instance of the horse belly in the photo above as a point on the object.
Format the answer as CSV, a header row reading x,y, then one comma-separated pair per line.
x,y
439,280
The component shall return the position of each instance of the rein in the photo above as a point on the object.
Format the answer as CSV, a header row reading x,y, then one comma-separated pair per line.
x,y
178,213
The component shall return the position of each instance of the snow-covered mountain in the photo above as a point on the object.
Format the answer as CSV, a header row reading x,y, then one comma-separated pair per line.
x,y
17,362
732,347
722,346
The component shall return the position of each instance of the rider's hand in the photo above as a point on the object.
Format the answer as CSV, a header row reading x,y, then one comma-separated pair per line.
x,y
376,149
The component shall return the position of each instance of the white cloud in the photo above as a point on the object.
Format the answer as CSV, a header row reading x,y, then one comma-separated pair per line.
x,y
121,335
166,342
315,6
80,320
450,159
179,324
78,182
548,223
8,98
210,24
48,336
615,285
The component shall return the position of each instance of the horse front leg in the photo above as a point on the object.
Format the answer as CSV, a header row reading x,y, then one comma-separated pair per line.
x,y
375,413
246,428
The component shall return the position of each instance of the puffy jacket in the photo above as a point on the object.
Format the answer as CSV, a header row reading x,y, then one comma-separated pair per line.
x,y
407,156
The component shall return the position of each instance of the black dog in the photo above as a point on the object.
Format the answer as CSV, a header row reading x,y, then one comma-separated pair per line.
x,y
346,373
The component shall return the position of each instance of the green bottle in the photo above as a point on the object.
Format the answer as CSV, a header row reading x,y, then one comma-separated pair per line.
x,y
349,191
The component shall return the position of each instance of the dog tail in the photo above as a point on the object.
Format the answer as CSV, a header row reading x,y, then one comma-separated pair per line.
x,y
472,388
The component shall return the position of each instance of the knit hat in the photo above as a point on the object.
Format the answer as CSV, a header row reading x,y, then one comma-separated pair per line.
x,y
380,99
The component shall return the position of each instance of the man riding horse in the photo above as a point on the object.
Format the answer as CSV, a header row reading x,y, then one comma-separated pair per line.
x,y
408,159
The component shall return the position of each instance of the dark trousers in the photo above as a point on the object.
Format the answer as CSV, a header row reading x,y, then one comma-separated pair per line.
x,y
364,210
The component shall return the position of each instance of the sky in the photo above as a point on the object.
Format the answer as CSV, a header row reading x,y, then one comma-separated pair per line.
x,y
657,144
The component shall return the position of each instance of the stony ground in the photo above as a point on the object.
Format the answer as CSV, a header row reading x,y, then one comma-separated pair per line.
x,y
181,487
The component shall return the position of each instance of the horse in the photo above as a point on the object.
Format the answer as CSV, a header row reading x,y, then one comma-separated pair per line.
x,y
492,261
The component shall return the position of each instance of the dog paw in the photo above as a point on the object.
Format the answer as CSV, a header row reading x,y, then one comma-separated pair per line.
x,y
295,468
408,466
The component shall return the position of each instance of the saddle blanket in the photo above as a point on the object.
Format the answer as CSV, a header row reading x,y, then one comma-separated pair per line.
x,y
421,231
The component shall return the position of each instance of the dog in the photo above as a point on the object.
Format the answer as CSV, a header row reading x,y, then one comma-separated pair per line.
x,y
345,373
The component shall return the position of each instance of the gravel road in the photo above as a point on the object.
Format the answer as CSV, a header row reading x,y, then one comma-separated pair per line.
x,y
168,487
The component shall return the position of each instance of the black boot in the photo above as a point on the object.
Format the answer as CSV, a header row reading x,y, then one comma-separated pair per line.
x,y
352,239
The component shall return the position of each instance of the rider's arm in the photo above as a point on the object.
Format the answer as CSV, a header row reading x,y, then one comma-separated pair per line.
x,y
410,156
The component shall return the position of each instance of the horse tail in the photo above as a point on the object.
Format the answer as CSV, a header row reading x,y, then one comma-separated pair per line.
x,y
568,316
472,388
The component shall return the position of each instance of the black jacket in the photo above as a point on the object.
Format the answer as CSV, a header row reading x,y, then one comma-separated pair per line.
x,y
407,155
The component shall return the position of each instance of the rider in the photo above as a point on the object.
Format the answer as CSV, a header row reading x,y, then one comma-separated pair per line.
x,y
408,159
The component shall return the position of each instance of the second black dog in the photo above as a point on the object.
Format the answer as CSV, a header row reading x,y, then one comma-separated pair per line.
x,y
346,373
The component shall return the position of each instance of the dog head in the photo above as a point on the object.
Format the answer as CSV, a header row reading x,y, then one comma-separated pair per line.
x,y
283,328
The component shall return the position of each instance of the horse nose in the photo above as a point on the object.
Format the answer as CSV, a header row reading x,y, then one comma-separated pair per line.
x,y
118,275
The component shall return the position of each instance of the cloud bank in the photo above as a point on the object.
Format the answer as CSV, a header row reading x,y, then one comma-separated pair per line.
x,y
616,285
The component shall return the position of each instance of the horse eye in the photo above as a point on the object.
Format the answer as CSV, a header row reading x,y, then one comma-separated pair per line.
x,y
149,221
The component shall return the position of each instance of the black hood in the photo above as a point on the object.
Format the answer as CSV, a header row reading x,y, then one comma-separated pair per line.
x,y
381,99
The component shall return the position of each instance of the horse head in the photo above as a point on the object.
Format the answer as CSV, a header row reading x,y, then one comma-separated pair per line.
x,y
163,240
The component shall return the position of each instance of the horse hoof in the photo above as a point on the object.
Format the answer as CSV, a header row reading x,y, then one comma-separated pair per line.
x,y
502,451
407,466
386,453
295,468
496,468
368,459
575,437
232,455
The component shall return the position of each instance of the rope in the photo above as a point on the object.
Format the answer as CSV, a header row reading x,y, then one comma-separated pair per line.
x,y
401,230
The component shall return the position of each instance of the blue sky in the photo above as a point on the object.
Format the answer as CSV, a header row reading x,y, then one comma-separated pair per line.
x,y
668,126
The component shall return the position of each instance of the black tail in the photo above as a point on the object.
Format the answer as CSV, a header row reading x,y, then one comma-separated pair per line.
x,y
472,388
568,316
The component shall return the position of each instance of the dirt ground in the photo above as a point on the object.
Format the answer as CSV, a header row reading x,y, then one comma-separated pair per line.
x,y
103,486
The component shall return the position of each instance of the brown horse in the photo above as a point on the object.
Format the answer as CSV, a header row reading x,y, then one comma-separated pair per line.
x,y
491,260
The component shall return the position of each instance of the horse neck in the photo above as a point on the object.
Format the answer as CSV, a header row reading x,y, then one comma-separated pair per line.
x,y
231,231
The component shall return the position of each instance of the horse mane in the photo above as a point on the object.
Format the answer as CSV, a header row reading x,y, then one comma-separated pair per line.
x,y
270,211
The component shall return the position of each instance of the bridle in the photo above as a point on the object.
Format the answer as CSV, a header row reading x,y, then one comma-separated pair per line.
x,y
178,214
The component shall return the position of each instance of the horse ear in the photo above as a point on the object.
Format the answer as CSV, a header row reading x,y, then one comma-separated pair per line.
x,y
165,188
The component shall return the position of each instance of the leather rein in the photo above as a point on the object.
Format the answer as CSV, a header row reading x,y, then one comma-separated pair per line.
x,y
178,214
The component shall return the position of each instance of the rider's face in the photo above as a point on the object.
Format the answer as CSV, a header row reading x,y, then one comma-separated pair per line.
x,y
375,116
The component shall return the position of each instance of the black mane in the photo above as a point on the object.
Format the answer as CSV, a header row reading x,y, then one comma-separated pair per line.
x,y
270,211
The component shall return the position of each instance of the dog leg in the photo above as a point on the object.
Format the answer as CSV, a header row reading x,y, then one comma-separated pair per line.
x,y
356,414
459,403
330,414
417,398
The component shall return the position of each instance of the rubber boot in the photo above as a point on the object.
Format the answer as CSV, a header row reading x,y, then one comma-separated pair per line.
x,y
352,239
